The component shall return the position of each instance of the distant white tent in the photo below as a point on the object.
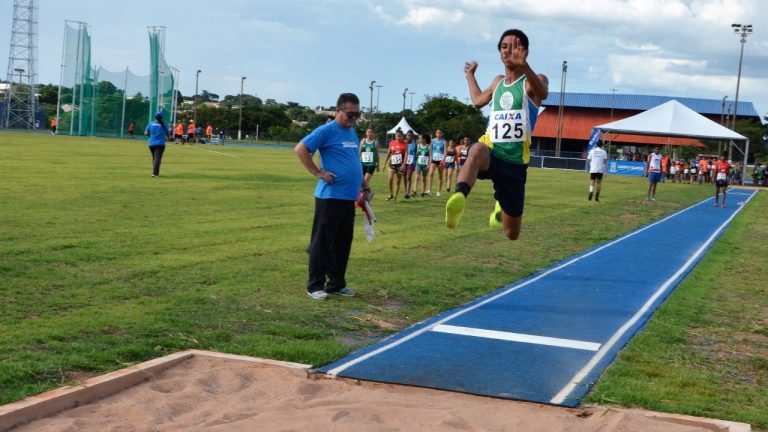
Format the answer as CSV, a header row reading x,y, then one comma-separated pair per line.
x,y
671,119
676,120
403,126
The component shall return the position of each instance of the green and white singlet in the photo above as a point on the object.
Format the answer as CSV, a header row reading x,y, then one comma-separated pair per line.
x,y
513,117
368,154
422,155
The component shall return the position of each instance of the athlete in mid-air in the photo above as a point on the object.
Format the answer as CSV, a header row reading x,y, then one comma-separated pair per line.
x,y
503,152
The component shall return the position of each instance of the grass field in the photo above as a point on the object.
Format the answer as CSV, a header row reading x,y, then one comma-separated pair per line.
x,y
102,266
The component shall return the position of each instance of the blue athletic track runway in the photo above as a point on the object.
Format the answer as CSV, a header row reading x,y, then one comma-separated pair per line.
x,y
547,338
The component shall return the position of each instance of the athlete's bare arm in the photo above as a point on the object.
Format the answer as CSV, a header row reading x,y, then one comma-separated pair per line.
x,y
480,98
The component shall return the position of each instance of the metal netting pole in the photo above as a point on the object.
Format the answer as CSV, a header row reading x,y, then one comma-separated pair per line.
x,y
125,92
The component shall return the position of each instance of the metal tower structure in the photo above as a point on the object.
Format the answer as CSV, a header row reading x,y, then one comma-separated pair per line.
x,y
20,101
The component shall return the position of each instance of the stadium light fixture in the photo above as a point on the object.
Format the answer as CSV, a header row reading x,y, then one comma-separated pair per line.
x,y
404,92
411,93
240,121
378,93
744,30
194,103
370,107
560,109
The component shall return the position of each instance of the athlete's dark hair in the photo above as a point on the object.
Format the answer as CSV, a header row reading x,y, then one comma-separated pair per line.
x,y
426,137
347,98
514,32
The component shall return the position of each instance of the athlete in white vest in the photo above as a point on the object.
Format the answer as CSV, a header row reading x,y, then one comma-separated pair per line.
x,y
654,173
598,164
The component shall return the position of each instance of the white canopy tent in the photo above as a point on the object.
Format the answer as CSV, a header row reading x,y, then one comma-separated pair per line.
x,y
676,120
403,126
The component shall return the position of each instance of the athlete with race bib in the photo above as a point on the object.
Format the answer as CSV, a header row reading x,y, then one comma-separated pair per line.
x,y
503,153
423,156
654,173
438,153
721,170
369,154
396,160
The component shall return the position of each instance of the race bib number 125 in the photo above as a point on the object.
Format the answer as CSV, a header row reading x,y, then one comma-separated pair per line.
x,y
507,126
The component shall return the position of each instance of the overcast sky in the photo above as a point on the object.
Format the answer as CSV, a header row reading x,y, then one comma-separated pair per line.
x,y
310,51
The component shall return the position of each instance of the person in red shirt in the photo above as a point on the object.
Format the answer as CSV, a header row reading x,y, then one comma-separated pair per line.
x,y
396,159
722,169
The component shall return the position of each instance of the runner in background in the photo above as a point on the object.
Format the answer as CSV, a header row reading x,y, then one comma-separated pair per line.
x,y
654,173
396,160
423,156
463,150
449,163
598,166
721,171
54,122
438,153
209,132
410,164
369,155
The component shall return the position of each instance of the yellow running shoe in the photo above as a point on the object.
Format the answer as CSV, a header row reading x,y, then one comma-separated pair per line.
x,y
454,208
495,220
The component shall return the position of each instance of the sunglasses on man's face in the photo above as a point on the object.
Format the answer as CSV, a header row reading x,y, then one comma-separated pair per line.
x,y
352,114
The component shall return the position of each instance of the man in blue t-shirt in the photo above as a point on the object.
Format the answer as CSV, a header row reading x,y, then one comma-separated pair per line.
x,y
340,181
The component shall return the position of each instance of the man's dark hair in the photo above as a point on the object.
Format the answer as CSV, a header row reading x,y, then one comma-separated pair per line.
x,y
514,32
345,98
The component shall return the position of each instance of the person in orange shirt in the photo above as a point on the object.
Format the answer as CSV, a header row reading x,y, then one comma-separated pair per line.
x,y
721,171
178,133
209,133
664,168
398,150
191,132
54,123
703,170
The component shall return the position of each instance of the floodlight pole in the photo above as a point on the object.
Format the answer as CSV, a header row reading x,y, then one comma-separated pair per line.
x,y
560,109
411,93
194,103
370,108
378,93
744,30
240,121
404,92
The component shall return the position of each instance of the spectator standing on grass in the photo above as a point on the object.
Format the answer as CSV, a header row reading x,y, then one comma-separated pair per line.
x,y
209,132
191,132
598,166
654,173
340,182
158,133
54,122
178,132
132,131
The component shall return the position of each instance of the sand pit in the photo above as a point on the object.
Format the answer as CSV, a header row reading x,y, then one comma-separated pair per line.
x,y
201,391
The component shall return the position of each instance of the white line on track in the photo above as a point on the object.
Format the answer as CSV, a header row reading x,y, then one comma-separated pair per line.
x,y
213,151
517,337
576,380
338,369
